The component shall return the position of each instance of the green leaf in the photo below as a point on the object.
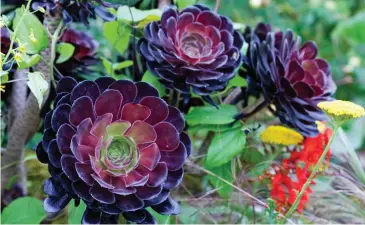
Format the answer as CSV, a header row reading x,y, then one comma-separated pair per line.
x,y
128,2
184,3
224,147
4,77
215,128
225,172
151,79
28,61
190,214
142,17
122,65
66,50
26,210
161,219
75,213
237,81
30,157
118,35
38,86
211,115
27,26
108,66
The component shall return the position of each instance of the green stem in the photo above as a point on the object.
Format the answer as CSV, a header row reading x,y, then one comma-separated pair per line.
x,y
16,31
16,80
311,177
55,37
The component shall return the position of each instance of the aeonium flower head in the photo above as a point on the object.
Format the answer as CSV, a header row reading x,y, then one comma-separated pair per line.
x,y
77,10
290,76
192,49
116,146
84,54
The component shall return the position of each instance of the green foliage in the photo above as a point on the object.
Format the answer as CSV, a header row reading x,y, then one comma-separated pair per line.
x,y
237,81
215,128
151,79
184,3
141,17
26,210
190,215
225,172
75,213
161,219
225,146
110,67
118,35
127,2
28,26
38,86
65,50
211,115
351,32
272,214
4,77
122,65
28,61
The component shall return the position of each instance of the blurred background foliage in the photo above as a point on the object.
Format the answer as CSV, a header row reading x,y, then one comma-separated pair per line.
x,y
338,28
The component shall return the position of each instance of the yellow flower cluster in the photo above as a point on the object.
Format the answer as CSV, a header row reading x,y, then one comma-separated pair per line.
x,y
321,126
281,135
342,110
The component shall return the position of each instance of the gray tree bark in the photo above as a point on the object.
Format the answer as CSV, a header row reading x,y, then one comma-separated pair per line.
x,y
26,120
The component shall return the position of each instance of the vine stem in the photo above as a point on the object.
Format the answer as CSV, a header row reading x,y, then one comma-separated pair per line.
x,y
54,39
217,3
16,31
311,177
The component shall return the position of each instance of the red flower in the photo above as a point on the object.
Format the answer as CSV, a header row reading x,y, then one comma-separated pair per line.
x,y
313,148
281,186
286,185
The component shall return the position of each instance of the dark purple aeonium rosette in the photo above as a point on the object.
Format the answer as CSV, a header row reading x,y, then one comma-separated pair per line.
x,y
290,76
77,10
84,54
193,49
115,145
5,42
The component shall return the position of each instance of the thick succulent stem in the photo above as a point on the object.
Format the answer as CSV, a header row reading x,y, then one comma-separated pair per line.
x,y
17,97
26,124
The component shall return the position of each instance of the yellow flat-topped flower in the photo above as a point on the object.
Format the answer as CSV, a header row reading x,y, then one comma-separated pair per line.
x,y
281,135
342,110
321,126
